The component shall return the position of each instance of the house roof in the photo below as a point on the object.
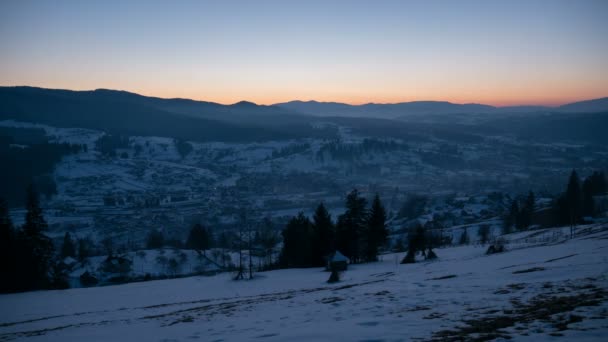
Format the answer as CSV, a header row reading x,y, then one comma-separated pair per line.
x,y
338,257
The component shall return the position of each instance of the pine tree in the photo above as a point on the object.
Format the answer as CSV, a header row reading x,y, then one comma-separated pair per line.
x,y
323,235
68,249
297,236
511,217
268,239
377,233
7,250
587,197
351,226
84,248
36,249
464,238
573,198
484,233
155,240
198,238
416,243
527,210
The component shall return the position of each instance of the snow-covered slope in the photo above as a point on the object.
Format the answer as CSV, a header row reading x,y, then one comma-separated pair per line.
x,y
537,290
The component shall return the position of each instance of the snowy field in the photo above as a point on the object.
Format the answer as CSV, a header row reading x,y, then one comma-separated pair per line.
x,y
538,290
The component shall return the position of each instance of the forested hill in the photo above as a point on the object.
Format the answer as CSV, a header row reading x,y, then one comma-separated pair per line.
x,y
131,114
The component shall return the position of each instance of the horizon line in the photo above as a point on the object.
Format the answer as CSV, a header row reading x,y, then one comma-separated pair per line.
x,y
145,94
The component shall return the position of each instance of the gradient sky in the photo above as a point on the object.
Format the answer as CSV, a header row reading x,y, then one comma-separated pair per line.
x,y
494,52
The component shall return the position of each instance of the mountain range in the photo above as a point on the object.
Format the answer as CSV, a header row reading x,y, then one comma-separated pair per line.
x,y
416,108
128,113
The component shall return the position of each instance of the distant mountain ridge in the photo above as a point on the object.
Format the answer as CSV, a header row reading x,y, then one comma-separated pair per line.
x,y
122,112
397,110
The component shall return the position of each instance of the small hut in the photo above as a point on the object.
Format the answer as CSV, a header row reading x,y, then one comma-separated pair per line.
x,y
337,261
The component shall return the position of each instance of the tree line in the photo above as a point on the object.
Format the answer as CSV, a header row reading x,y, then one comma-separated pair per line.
x,y
577,202
359,233
27,260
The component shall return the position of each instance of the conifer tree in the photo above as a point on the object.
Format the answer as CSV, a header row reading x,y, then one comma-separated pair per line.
x,y
573,199
323,235
377,233
297,235
464,237
351,226
198,238
68,249
36,249
7,250
484,233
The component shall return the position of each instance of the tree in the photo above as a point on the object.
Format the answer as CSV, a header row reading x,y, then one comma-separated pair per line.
x,y
484,233
413,207
510,218
377,233
593,185
573,197
351,226
524,217
297,236
155,240
85,247
323,235
464,237
198,238
416,243
268,239
68,249
7,250
36,249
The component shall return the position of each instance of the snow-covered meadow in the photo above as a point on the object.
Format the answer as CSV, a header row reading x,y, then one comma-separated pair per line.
x,y
540,289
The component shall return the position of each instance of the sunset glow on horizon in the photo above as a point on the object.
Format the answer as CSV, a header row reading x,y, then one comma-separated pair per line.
x,y
489,52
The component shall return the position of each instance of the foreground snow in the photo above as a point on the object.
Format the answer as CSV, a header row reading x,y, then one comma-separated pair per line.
x,y
534,291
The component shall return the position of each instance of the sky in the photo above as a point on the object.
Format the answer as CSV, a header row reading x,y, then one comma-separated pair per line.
x,y
538,52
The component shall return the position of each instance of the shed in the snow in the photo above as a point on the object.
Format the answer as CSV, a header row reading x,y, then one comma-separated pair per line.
x,y
337,261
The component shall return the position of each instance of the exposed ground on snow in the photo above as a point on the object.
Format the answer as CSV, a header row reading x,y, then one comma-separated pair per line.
x,y
535,291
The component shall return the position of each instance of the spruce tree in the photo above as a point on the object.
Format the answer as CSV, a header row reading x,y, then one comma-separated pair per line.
x,y
511,217
484,233
464,238
377,233
297,236
198,238
36,249
527,210
324,235
573,198
8,249
351,226
68,249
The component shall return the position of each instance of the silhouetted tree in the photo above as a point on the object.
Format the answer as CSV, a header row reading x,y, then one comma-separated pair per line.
x,y
593,185
524,217
351,226
573,199
416,243
198,238
297,236
155,240
323,235
464,237
377,233
7,250
510,218
85,248
484,233
68,249
268,239
36,249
